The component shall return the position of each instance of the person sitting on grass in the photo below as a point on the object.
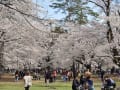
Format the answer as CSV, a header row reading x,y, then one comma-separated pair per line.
x,y
75,84
89,84
82,82
109,83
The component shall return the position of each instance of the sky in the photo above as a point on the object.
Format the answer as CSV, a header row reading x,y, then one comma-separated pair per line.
x,y
51,12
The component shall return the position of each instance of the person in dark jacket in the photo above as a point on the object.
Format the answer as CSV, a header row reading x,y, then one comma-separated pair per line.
x,y
89,84
47,77
75,84
82,80
102,73
109,83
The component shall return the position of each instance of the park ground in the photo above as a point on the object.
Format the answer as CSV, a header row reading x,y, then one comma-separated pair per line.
x,y
10,84
39,85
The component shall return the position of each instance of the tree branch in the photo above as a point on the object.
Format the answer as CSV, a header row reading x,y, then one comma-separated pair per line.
x,y
10,40
29,15
104,3
2,34
98,5
32,25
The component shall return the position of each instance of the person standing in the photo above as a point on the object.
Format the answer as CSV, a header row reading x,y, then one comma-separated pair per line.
x,y
16,75
54,75
69,74
27,81
64,75
47,77
102,73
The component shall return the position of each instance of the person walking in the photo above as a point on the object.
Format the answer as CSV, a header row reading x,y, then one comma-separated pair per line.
x,y
27,81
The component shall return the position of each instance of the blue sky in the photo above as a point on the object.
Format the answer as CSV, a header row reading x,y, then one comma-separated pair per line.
x,y
51,12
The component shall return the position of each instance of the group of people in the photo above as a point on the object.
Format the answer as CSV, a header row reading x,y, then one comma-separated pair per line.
x,y
80,81
25,76
50,76
84,82
66,75
19,75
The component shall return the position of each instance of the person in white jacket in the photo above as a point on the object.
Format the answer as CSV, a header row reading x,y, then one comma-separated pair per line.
x,y
27,81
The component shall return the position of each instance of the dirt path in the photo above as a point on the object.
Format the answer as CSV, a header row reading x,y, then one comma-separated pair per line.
x,y
6,78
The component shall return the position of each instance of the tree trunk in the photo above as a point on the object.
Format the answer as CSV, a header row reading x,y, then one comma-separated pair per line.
x,y
74,70
109,32
110,36
1,54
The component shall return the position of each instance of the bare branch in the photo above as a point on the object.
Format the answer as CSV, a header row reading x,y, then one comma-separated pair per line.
x,y
104,3
10,40
32,25
29,15
98,5
2,34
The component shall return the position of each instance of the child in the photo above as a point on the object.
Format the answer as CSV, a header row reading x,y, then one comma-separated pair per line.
x,y
27,81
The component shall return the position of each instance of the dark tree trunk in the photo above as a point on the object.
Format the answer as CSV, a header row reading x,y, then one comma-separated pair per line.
x,y
1,56
116,60
110,36
1,52
118,12
74,70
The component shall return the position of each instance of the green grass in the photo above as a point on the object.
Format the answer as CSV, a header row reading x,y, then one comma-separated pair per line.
x,y
38,85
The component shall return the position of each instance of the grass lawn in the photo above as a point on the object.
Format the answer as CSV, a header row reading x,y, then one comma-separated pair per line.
x,y
39,85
